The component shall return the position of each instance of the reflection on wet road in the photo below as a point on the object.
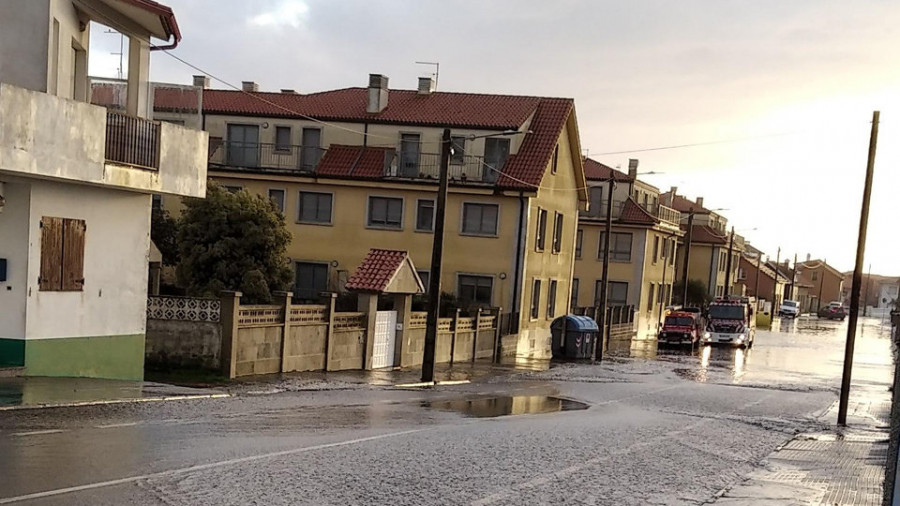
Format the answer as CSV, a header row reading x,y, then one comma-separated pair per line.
x,y
507,405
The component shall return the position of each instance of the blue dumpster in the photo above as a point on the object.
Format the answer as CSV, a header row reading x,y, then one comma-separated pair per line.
x,y
573,336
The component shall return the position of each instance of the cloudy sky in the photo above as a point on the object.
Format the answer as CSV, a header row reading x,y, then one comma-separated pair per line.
x,y
775,96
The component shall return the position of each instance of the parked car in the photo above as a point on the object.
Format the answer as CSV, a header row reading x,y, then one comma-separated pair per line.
x,y
789,309
833,311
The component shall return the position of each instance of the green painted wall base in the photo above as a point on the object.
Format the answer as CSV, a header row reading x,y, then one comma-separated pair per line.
x,y
12,352
109,357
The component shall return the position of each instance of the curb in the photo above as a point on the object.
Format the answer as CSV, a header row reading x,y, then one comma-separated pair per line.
x,y
429,384
116,401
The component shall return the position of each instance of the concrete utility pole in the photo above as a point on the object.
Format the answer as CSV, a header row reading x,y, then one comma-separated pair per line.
x,y
687,257
857,274
437,253
758,270
775,286
604,281
793,278
866,298
728,265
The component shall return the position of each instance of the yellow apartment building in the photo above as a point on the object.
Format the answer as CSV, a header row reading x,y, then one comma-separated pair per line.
x,y
642,249
357,168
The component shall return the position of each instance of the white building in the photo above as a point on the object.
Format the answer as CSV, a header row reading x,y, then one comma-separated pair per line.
x,y
75,188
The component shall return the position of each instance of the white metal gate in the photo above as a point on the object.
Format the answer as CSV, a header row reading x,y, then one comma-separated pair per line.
x,y
385,337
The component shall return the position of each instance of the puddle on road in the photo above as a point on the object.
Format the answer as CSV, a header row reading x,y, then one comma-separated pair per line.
x,y
503,406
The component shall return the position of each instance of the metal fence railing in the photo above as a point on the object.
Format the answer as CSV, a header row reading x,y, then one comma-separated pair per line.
x,y
132,141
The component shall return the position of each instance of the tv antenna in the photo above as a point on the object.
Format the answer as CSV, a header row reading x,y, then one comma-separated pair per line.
x,y
437,70
120,72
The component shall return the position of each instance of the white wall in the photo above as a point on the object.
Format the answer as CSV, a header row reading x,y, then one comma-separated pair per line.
x,y
117,243
70,36
14,248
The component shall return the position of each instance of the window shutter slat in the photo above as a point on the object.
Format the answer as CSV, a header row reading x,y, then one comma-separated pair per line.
x,y
51,253
73,255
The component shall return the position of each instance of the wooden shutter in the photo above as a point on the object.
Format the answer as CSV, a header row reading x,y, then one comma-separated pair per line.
x,y
73,255
51,253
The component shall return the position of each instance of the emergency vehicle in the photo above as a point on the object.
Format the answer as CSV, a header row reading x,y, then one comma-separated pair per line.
x,y
730,320
680,327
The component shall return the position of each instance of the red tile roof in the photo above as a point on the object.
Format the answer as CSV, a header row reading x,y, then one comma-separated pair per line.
x,y
596,171
632,212
526,168
353,161
682,204
707,235
375,272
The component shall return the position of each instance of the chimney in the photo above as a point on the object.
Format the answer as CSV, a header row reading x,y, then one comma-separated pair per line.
x,y
249,86
699,201
378,93
288,90
426,85
201,81
632,168
672,193
808,257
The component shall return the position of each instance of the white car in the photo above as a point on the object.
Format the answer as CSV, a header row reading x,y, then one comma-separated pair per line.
x,y
789,308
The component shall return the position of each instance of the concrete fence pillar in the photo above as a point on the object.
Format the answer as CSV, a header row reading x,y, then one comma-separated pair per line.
x,y
368,303
453,332
228,319
330,299
475,337
283,299
403,306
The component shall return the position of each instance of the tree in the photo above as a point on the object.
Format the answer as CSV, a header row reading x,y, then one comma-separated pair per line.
x,y
697,294
164,234
233,241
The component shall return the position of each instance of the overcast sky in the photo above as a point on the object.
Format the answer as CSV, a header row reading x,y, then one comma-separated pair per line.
x,y
787,87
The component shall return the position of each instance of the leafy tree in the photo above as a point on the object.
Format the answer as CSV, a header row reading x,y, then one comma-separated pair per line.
x,y
164,233
697,294
233,241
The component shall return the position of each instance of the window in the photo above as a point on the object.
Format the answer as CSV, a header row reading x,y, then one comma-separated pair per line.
x,y
277,196
655,249
619,248
541,230
496,151
815,275
557,233
672,252
311,280
409,155
385,212
535,299
651,294
425,276
596,202
551,299
668,298
425,215
315,207
477,289
574,292
310,154
458,155
243,145
282,138
618,293
555,160
579,238
62,255
480,219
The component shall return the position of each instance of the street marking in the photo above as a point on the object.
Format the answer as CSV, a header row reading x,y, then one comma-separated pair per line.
x,y
201,467
38,432
115,425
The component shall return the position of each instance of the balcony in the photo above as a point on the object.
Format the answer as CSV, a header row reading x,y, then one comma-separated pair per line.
x,y
599,212
462,169
264,156
666,215
47,137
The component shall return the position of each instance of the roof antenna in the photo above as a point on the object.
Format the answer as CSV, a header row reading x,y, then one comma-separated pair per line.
x,y
437,70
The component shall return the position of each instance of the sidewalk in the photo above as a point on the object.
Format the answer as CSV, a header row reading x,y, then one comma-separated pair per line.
x,y
39,392
841,466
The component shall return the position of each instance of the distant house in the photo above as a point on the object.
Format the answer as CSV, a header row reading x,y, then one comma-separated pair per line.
x,y
75,188
824,284
642,249
357,168
759,279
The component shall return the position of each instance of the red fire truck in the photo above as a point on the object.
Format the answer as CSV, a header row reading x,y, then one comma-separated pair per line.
x,y
730,320
680,327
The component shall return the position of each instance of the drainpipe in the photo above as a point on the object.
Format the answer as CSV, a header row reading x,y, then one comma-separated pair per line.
x,y
520,241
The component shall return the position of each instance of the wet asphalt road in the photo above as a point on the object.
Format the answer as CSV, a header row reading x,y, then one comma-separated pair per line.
x,y
661,427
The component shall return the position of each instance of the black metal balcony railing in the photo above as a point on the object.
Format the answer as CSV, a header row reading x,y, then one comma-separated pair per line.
x,y
428,166
132,141
268,156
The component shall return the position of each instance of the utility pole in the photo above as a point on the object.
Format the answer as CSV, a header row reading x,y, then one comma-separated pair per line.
x,y
793,278
604,281
728,264
437,253
687,257
866,298
857,274
775,286
758,269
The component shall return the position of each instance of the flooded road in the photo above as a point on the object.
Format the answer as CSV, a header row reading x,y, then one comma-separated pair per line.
x,y
648,426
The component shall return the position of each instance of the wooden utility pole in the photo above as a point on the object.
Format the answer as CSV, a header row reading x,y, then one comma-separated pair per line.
x,y
793,278
857,274
728,265
437,253
775,286
604,281
866,298
687,258
758,270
